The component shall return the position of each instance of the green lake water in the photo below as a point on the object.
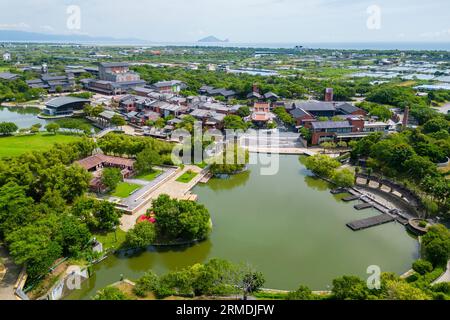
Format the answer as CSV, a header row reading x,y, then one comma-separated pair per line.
x,y
21,116
288,226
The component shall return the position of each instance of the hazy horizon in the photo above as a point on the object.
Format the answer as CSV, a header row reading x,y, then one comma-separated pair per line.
x,y
240,21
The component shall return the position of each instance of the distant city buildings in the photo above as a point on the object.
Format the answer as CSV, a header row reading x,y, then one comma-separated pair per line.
x,y
6,57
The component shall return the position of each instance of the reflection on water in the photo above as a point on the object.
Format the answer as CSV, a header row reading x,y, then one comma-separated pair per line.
x,y
23,117
289,226
217,184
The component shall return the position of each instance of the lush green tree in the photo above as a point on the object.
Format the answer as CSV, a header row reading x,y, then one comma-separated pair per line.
x,y
110,294
302,293
343,178
75,235
181,220
15,207
436,124
349,288
233,122
111,177
8,128
36,246
146,159
322,165
422,266
249,280
244,112
52,127
141,236
230,161
420,167
118,121
98,215
400,290
284,116
95,112
148,283
436,244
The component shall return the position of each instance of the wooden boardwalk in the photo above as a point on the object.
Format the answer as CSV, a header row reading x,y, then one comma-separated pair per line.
x,y
351,198
387,215
363,206
370,222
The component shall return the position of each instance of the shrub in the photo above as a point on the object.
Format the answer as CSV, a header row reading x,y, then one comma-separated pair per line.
x,y
141,236
148,283
422,267
302,293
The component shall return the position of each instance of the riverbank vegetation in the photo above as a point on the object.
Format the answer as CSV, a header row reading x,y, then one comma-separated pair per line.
x,y
411,158
18,91
231,161
219,278
328,168
214,278
177,221
37,192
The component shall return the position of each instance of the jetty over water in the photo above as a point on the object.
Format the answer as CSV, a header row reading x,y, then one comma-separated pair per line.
x,y
387,214
370,222
363,206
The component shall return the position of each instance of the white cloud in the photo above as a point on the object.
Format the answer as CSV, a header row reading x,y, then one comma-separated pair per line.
x,y
47,28
436,34
12,26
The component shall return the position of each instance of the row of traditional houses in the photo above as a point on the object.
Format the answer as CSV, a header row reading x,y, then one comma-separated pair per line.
x,y
344,121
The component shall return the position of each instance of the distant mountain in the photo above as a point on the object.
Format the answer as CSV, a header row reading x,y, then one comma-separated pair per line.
x,y
23,36
212,39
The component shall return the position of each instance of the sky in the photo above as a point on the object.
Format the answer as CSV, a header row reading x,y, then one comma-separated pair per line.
x,y
240,21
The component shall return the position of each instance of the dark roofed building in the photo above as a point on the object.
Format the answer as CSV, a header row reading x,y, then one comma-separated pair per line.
x,y
173,86
328,109
271,96
8,76
211,91
347,108
64,106
52,82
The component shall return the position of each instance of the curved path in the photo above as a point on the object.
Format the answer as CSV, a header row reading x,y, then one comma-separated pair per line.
x,y
445,277
9,280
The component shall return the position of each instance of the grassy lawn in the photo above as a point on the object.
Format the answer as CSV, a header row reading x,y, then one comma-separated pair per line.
x,y
16,145
109,239
187,177
124,189
149,176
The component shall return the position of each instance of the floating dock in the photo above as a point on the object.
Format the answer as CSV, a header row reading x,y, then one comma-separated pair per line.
x,y
351,198
363,206
370,222
339,191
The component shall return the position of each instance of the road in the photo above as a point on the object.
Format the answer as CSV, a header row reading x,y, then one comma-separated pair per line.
x,y
12,273
445,277
444,109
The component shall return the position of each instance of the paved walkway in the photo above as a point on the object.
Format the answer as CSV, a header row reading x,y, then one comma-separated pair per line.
x,y
445,277
171,187
443,109
276,150
10,278
137,199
